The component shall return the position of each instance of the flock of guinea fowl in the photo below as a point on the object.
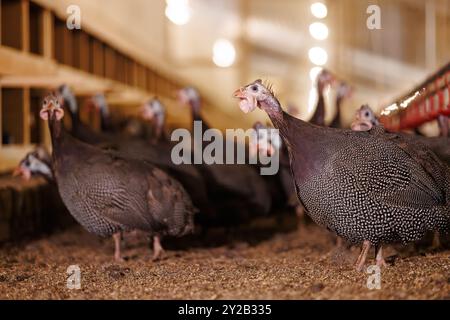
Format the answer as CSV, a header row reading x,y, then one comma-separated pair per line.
x,y
368,186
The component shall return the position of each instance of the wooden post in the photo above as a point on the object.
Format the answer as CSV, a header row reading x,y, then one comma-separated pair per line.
x,y
0,44
47,35
25,13
1,115
26,116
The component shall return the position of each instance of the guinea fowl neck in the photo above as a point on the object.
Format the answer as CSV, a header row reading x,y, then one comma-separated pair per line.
x,y
73,111
58,135
105,120
318,117
195,109
158,128
336,123
305,142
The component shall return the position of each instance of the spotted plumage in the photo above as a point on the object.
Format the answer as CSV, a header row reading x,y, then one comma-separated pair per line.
x,y
367,187
108,193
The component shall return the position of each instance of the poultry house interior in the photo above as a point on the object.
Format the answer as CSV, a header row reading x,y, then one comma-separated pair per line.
x,y
224,150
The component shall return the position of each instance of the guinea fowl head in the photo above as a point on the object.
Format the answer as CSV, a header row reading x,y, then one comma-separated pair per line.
x,y
153,109
324,79
67,98
344,91
99,102
188,96
365,119
34,163
252,95
51,109
264,141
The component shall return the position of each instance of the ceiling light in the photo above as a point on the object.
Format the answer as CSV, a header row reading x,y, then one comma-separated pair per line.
x,y
318,56
178,11
224,53
318,30
319,10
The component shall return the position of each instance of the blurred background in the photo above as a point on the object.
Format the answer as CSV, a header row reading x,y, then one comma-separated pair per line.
x,y
133,50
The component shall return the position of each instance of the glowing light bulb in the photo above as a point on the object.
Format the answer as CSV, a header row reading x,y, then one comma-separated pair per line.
x,y
319,10
318,30
178,11
318,56
224,53
314,73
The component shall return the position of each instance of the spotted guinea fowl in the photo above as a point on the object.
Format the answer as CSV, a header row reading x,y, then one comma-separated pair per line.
x,y
238,190
364,187
107,193
324,79
365,119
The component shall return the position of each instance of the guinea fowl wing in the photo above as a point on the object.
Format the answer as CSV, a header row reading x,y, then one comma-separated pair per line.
x,y
168,203
115,191
393,178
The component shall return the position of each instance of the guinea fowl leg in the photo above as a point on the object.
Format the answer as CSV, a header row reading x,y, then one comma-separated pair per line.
x,y
363,255
117,239
157,248
379,256
436,244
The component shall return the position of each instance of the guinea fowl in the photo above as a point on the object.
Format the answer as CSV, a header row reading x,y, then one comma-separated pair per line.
x,y
107,193
365,119
238,190
364,187
100,104
35,163
261,143
159,151
343,92
155,113
324,79
79,130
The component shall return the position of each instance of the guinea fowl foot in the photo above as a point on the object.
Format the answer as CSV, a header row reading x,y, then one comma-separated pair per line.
x,y
117,255
157,248
362,256
379,258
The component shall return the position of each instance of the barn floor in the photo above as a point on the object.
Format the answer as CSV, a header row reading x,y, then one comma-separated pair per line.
x,y
301,264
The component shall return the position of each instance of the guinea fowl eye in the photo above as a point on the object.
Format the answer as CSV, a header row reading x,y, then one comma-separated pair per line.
x,y
367,114
255,88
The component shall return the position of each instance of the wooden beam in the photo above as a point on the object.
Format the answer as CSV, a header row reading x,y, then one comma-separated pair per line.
x,y
21,63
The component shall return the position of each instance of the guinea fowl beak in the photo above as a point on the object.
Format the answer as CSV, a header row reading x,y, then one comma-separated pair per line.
x,y
239,94
22,172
